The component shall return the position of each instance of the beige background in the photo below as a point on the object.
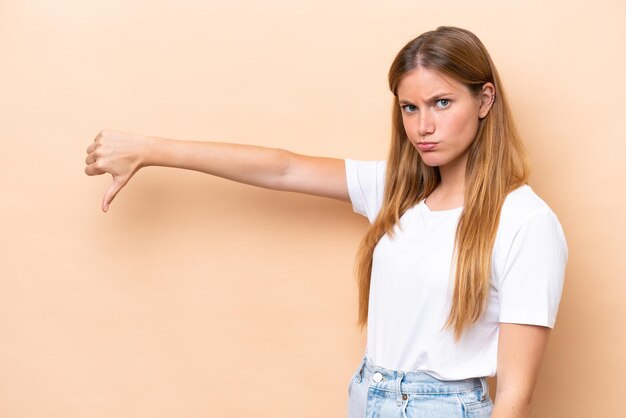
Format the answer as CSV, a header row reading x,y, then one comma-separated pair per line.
x,y
198,297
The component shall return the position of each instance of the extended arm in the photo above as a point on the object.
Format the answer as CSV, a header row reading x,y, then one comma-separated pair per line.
x,y
520,353
123,154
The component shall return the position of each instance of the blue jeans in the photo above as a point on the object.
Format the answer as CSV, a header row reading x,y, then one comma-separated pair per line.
x,y
376,392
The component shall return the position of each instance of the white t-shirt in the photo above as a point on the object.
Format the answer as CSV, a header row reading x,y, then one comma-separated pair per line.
x,y
413,278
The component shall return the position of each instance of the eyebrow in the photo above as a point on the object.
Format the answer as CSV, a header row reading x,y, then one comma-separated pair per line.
x,y
402,101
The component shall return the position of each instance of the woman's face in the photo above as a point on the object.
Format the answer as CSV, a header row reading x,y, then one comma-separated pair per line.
x,y
441,116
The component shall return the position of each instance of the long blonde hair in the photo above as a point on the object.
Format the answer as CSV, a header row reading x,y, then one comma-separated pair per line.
x,y
497,164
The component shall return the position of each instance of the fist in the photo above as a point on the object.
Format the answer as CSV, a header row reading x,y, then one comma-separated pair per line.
x,y
119,153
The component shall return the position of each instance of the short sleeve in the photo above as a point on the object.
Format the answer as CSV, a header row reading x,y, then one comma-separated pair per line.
x,y
366,181
530,287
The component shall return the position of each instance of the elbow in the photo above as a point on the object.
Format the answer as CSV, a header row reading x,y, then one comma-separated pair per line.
x,y
285,166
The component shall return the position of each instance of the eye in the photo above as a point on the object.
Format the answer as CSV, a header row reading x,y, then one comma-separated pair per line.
x,y
407,110
444,103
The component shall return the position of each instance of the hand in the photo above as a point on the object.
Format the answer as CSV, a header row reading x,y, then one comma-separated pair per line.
x,y
119,153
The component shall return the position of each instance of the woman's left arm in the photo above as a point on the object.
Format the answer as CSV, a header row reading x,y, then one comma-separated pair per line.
x,y
520,353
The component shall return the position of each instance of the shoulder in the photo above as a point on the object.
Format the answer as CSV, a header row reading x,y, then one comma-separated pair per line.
x,y
525,212
366,183
376,168
520,205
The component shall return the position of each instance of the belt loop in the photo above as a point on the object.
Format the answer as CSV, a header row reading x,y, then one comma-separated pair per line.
x,y
485,388
399,378
359,373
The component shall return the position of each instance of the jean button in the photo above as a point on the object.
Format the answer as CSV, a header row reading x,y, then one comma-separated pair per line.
x,y
377,377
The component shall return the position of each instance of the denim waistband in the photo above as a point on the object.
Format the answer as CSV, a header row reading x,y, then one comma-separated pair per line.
x,y
415,382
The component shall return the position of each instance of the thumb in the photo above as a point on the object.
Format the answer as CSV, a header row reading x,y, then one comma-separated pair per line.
x,y
111,192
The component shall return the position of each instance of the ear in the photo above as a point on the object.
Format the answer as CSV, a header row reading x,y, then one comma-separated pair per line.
x,y
487,96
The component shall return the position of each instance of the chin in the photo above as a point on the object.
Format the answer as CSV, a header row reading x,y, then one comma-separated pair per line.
x,y
431,160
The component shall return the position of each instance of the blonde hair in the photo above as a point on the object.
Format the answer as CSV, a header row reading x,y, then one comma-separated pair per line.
x,y
497,164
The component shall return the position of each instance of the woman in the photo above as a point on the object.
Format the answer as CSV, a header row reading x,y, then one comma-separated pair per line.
x,y
461,272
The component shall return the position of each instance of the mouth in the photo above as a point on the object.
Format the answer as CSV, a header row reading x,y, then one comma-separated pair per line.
x,y
426,146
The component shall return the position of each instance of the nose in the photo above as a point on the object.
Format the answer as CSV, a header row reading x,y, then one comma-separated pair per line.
x,y
426,124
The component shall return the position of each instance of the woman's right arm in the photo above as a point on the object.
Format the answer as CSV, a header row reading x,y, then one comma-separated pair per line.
x,y
123,154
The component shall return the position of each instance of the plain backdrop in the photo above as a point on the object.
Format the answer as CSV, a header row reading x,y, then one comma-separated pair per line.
x,y
199,297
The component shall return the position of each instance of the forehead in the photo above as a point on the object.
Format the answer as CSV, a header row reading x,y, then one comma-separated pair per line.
x,y
423,83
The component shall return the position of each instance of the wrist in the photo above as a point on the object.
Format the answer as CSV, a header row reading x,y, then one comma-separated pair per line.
x,y
151,151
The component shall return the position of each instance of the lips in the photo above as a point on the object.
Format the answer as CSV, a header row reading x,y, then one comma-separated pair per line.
x,y
426,146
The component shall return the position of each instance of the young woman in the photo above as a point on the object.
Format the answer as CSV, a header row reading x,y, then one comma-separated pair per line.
x,y
461,271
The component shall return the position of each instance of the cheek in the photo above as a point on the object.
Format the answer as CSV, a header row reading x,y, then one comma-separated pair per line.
x,y
408,128
463,125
